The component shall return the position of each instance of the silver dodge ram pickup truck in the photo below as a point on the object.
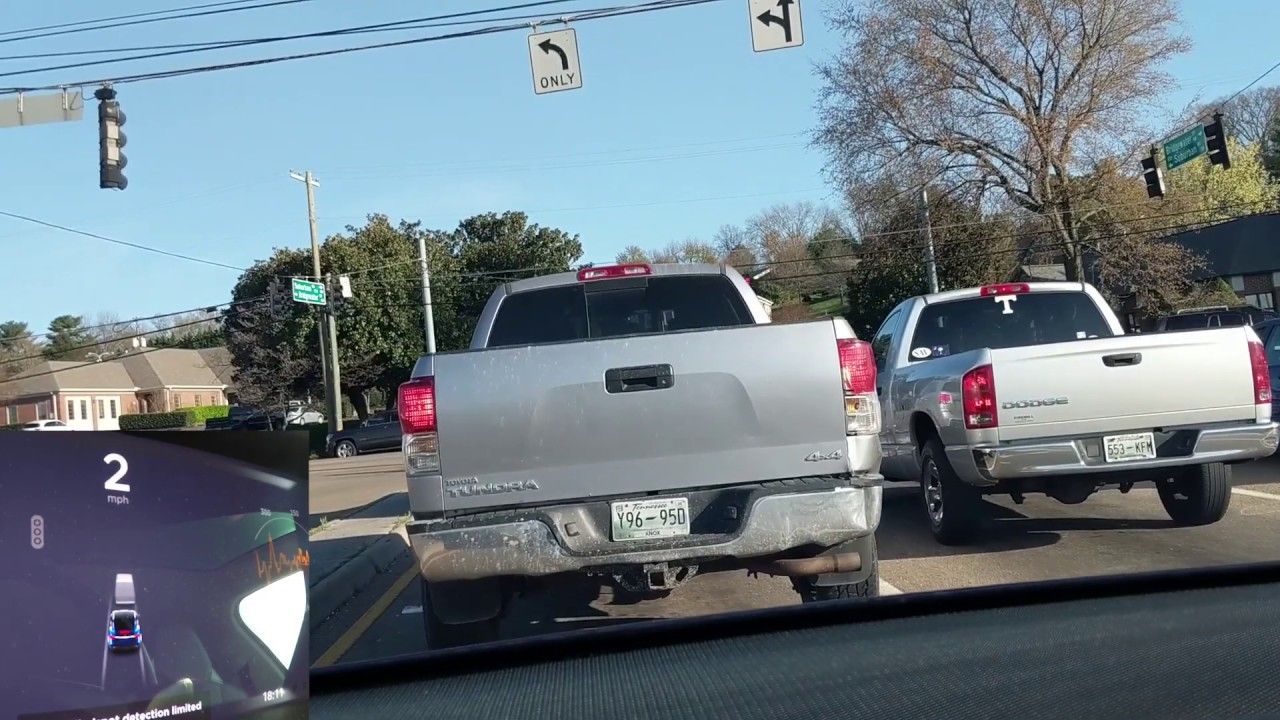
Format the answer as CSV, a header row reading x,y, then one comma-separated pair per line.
x,y
1034,388
631,426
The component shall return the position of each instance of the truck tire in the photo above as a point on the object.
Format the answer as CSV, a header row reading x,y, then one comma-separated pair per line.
x,y
345,448
952,506
810,592
441,635
1197,495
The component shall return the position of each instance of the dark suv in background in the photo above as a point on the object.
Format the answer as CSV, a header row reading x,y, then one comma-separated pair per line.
x,y
380,432
1204,318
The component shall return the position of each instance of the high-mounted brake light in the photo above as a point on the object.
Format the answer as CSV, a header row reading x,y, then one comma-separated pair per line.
x,y
606,272
1005,289
979,389
417,405
1261,378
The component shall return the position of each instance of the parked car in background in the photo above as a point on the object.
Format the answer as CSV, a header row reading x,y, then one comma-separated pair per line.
x,y
380,431
1024,388
1214,317
46,425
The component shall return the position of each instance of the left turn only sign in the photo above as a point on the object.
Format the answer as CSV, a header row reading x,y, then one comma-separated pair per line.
x,y
554,58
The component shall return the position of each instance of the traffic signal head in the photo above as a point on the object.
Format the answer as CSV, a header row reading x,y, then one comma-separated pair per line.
x,y
111,141
1152,175
1215,140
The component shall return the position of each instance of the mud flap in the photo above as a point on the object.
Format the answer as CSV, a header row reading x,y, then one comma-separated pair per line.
x,y
866,549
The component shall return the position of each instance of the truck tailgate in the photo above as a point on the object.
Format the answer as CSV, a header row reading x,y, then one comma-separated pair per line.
x,y
747,404
1131,382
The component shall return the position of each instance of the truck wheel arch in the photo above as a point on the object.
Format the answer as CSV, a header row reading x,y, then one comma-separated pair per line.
x,y
922,429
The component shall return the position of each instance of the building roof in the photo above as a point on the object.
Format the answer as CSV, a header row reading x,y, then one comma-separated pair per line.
x,y
1052,273
167,367
49,376
1243,246
178,367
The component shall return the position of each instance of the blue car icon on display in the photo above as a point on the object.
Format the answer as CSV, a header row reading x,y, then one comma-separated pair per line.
x,y
124,630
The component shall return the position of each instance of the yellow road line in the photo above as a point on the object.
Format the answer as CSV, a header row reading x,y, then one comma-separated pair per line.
x,y
362,625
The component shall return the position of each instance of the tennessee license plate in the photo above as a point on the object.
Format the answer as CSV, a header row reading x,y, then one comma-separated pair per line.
x,y
1135,446
655,518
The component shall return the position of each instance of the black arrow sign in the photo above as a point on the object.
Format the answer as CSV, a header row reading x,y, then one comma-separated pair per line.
x,y
549,47
769,18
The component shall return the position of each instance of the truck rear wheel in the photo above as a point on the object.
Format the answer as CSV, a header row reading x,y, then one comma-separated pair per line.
x,y
869,586
952,506
1197,495
442,635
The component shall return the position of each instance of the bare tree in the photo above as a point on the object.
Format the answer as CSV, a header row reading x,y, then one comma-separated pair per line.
x,y
1010,95
1249,115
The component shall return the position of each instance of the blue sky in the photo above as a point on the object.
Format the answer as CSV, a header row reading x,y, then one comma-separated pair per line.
x,y
679,128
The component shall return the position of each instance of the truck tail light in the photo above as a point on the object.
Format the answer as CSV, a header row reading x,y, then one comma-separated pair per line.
x,y
416,402
1005,289
979,388
858,375
1261,378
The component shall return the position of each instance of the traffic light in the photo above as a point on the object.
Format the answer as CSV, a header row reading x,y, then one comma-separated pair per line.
x,y
1153,176
111,141
1215,139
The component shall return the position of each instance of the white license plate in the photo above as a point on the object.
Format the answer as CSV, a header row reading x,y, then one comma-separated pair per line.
x,y
656,518
1135,446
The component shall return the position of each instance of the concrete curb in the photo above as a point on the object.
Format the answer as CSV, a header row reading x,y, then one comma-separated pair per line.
x,y
345,582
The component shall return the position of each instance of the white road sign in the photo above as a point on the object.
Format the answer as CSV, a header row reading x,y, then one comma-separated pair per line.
x,y
554,58
775,24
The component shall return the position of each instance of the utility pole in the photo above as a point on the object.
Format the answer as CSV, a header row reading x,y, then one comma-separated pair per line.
x,y
334,390
428,322
328,365
930,262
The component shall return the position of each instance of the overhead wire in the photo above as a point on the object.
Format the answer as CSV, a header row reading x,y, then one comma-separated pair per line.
x,y
129,23
593,14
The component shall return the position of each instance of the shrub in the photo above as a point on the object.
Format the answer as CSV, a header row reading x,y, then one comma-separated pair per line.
x,y
155,421
208,412
15,426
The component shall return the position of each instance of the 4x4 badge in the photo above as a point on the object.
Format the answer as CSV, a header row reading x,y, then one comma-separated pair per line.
x,y
819,456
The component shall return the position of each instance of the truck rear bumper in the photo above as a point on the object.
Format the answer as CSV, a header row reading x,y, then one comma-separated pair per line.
x,y
529,547
988,464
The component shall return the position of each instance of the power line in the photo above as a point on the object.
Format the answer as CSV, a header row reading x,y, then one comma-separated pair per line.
x,y
203,13
125,243
594,14
96,343
131,321
393,26
125,17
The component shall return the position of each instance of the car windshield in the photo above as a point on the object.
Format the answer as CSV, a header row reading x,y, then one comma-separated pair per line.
x,y
1036,318
1190,321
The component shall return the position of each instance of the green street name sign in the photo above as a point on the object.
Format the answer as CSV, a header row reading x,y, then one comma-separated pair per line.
x,y
1184,148
305,291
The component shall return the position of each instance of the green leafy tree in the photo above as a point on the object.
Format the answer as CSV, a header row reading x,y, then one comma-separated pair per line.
x,y
1220,194
17,348
66,332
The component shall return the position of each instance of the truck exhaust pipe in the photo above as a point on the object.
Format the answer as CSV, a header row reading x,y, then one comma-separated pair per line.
x,y
801,567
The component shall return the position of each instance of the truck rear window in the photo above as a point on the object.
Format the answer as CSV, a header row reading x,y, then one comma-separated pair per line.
x,y
632,306
1036,318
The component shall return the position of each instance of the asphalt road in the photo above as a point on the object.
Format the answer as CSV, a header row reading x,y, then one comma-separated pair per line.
x,y
340,486
1039,540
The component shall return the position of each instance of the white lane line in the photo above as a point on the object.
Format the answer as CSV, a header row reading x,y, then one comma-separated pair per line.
x,y
887,589
1255,493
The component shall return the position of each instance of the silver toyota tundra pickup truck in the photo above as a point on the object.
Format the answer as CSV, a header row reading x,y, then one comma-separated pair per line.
x,y
631,426
1034,388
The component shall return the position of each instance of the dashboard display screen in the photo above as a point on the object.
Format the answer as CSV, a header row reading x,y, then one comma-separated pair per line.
x,y
153,575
